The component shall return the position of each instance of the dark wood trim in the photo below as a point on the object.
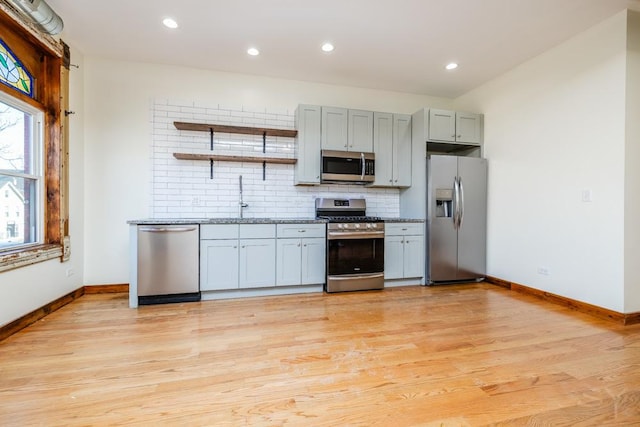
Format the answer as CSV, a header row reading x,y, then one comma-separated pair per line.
x,y
497,282
106,289
632,318
582,307
29,319
277,160
37,314
245,130
30,255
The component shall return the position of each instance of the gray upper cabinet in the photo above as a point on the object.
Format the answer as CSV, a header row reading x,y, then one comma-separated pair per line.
x,y
307,168
451,126
334,128
347,130
360,131
392,146
402,150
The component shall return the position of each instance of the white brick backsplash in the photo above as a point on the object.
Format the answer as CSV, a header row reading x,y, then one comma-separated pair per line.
x,y
175,184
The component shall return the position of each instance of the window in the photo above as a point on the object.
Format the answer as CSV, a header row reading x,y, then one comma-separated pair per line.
x,y
21,171
33,148
13,73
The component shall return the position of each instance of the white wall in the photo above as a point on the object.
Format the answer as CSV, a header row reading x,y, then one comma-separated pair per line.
x,y
118,129
29,288
555,126
632,168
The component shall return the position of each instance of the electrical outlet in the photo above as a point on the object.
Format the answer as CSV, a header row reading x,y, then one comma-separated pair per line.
x,y
543,271
587,195
70,272
196,201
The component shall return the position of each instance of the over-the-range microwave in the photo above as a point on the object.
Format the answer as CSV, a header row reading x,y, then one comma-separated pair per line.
x,y
347,167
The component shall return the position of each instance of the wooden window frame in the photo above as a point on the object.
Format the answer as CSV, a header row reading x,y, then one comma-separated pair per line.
x,y
48,62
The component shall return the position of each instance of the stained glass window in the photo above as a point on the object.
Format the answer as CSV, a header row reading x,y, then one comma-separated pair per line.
x,y
13,73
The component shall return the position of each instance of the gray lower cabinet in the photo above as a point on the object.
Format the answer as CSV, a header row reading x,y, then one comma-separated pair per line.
x,y
237,256
300,254
403,251
218,264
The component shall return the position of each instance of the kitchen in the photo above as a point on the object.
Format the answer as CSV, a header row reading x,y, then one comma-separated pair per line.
x,y
537,116
114,139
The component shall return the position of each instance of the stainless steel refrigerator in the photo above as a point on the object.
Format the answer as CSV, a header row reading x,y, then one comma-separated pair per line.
x,y
456,219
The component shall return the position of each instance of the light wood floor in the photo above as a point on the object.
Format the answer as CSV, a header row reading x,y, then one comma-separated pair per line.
x,y
442,356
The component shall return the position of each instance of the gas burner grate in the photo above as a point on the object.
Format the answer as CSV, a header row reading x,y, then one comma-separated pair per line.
x,y
353,218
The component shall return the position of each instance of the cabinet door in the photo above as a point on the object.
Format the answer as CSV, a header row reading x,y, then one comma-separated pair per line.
x,y
468,128
307,168
313,261
257,263
218,264
393,257
383,148
413,256
442,125
334,128
288,258
360,127
401,150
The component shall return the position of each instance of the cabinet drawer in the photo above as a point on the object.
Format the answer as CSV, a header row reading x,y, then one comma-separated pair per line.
x,y
218,231
300,230
403,228
257,231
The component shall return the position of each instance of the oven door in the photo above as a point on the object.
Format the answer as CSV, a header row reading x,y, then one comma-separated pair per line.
x,y
355,261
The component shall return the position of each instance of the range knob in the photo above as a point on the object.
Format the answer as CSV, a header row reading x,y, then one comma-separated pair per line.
x,y
357,225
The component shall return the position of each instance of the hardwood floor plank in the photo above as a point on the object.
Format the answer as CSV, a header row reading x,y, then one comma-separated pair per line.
x,y
451,355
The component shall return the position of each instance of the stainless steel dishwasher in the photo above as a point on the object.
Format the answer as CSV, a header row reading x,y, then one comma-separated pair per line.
x,y
168,264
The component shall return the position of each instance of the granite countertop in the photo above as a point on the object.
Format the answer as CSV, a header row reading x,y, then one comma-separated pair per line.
x,y
201,221
403,220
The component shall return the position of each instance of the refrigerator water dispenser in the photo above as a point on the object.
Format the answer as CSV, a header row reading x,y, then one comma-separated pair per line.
x,y
444,202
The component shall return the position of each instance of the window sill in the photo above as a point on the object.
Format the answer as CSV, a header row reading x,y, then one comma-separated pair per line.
x,y
12,259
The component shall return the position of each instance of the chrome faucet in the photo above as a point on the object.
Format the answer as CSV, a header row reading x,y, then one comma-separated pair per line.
x,y
241,203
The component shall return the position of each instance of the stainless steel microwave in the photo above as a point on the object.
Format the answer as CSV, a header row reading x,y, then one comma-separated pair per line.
x,y
347,167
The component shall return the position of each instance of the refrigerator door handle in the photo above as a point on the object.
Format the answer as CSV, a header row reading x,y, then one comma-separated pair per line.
x,y
456,201
461,190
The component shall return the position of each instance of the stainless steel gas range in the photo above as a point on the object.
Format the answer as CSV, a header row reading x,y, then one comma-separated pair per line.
x,y
355,245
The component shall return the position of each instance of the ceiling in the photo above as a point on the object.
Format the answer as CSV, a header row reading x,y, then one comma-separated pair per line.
x,y
400,45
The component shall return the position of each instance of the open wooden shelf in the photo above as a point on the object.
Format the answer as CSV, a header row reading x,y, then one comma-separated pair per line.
x,y
203,127
218,157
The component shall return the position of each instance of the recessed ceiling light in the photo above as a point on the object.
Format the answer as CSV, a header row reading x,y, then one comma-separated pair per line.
x,y
253,51
170,23
327,47
451,66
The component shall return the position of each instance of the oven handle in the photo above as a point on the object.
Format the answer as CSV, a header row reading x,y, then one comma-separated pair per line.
x,y
336,235
356,276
